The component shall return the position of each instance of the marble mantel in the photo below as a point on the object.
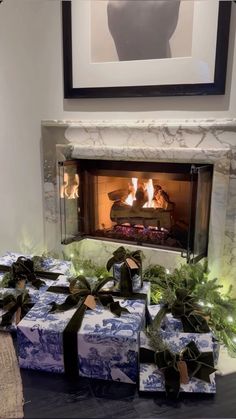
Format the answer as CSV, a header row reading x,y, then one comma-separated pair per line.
x,y
199,141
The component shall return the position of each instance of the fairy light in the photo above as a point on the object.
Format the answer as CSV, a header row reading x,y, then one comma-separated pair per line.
x,y
210,305
71,255
81,271
230,319
201,303
234,339
167,271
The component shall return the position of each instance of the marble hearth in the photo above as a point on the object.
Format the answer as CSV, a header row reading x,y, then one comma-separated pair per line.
x,y
182,141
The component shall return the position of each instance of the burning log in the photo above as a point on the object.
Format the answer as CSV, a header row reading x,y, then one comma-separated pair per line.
x,y
158,217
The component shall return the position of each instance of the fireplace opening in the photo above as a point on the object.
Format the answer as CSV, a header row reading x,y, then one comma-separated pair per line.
x,y
162,205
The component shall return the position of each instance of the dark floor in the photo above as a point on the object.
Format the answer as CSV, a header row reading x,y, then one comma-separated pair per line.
x,y
53,396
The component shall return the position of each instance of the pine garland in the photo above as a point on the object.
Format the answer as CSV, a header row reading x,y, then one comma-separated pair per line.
x,y
219,307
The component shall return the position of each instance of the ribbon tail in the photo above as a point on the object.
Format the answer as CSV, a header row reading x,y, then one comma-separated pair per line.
x,y
70,342
116,308
172,381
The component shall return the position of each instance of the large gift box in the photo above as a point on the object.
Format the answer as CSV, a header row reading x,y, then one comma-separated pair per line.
x,y
105,346
160,371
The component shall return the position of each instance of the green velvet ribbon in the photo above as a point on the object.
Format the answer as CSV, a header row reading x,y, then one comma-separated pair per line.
x,y
77,299
10,303
184,308
199,365
23,269
121,255
79,296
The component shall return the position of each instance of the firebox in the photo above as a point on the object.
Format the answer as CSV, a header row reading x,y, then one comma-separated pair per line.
x,y
155,204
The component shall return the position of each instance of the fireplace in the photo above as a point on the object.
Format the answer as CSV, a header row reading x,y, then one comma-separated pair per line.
x,y
155,204
177,143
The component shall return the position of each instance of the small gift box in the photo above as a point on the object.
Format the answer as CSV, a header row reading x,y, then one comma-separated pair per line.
x,y
184,363
14,305
127,270
87,332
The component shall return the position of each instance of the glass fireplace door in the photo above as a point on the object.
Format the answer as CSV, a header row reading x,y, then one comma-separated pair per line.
x,y
162,205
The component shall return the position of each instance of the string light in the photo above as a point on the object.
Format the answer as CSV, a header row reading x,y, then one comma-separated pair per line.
x,y
230,319
210,305
201,303
234,339
81,271
167,271
71,255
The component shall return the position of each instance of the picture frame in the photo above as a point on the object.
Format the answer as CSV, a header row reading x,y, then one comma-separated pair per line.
x,y
99,82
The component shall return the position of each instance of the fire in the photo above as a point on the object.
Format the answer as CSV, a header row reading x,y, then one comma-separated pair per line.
x,y
141,190
70,187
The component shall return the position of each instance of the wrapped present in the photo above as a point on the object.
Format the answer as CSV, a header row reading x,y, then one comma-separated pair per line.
x,y
62,284
182,314
85,332
14,305
172,324
182,363
127,270
31,270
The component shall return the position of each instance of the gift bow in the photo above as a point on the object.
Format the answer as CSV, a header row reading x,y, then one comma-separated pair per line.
x,y
87,295
12,304
23,268
132,260
189,363
184,308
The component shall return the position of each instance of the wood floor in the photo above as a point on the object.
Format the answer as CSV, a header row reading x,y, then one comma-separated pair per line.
x,y
52,396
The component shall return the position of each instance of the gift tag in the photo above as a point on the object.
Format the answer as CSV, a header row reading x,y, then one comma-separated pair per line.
x,y
131,263
18,315
182,367
90,302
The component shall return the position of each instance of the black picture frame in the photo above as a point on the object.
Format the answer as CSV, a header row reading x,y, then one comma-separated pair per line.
x,y
217,87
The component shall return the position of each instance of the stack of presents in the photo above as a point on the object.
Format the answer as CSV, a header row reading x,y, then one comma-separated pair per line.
x,y
105,328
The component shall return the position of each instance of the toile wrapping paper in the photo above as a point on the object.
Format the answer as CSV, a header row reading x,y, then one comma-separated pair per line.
x,y
49,264
171,324
152,380
107,345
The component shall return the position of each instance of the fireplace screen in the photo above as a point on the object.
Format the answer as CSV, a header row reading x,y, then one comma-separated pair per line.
x,y
163,205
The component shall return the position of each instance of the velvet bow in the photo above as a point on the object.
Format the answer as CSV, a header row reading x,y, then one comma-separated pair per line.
x,y
27,270
12,304
190,362
86,296
127,272
186,309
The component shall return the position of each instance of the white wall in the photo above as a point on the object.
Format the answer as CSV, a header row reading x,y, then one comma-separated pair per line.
x,y
31,89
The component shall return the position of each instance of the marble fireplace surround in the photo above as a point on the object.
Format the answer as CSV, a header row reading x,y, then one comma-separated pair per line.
x,y
191,141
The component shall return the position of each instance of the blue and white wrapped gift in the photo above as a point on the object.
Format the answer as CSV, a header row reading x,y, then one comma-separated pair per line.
x,y
48,264
107,345
152,379
127,269
171,324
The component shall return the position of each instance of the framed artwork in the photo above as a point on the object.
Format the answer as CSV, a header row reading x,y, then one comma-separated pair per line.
x,y
126,48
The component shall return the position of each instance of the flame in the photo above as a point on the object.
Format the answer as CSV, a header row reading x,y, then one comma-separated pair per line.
x,y
70,188
146,186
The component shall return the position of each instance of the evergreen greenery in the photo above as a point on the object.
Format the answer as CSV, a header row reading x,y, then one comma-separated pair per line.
x,y
218,307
